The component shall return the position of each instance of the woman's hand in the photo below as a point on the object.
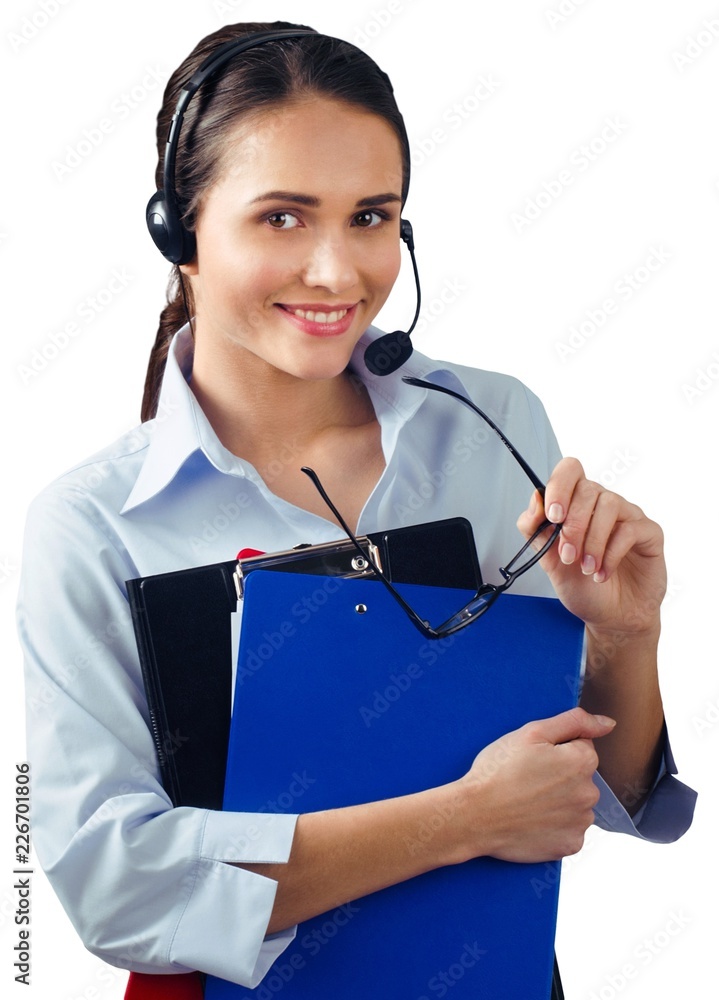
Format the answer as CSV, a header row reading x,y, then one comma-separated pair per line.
x,y
607,566
529,796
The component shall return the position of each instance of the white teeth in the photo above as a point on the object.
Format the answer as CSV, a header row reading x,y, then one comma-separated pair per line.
x,y
320,317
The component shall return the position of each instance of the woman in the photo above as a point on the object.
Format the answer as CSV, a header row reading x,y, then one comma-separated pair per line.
x,y
292,169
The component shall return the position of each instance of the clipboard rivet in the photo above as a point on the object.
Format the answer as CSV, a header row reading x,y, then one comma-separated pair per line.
x,y
359,562
360,608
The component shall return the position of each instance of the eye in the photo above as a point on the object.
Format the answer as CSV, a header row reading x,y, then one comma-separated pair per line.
x,y
281,220
369,219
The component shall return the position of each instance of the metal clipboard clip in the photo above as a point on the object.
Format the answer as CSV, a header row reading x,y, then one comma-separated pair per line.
x,y
338,558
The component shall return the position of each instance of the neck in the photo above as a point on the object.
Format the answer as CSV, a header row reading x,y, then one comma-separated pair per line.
x,y
256,409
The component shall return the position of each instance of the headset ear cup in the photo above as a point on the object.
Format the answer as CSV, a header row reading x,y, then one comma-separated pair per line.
x,y
168,234
156,219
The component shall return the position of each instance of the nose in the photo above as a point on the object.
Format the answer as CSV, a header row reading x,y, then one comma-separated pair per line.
x,y
331,264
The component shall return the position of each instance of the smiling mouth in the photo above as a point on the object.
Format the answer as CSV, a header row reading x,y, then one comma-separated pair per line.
x,y
317,317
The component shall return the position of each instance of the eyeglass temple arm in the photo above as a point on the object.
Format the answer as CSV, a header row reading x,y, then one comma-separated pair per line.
x,y
424,627
422,383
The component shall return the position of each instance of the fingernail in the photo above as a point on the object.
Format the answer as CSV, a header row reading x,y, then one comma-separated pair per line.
x,y
600,577
533,504
568,554
555,513
604,720
589,564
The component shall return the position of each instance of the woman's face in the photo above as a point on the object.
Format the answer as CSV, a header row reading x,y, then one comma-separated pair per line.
x,y
298,240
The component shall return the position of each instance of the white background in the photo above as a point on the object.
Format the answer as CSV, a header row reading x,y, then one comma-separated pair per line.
x,y
618,398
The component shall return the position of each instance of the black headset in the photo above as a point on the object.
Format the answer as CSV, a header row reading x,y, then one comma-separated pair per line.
x,y
177,244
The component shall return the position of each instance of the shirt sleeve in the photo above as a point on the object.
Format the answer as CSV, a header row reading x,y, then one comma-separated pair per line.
x,y
148,887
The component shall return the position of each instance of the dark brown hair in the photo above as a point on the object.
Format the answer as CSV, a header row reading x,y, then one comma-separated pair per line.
x,y
259,79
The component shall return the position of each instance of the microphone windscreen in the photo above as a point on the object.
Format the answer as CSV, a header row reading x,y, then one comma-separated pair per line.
x,y
388,353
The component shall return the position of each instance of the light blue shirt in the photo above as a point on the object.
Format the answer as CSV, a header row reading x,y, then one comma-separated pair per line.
x,y
149,887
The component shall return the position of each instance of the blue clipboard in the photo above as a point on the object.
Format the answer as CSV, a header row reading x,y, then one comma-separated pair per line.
x,y
340,700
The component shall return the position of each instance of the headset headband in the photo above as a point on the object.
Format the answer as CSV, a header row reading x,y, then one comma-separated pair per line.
x,y
169,235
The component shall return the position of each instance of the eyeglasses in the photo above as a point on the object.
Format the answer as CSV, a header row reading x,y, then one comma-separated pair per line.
x,y
488,593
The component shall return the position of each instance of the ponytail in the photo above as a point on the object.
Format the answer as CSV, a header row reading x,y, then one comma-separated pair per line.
x,y
172,317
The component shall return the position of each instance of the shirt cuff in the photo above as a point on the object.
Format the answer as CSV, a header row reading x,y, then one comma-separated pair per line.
x,y
223,928
663,817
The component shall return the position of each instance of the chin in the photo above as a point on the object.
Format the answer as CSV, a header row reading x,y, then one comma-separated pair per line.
x,y
314,368
318,373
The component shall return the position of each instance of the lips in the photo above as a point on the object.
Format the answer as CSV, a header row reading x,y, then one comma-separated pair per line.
x,y
320,319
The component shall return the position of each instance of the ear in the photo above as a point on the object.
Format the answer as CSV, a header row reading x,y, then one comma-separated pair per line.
x,y
191,269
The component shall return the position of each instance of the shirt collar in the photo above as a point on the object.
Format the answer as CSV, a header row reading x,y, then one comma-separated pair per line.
x,y
173,435
180,427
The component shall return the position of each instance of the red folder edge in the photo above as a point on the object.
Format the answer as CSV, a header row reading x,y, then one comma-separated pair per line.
x,y
143,986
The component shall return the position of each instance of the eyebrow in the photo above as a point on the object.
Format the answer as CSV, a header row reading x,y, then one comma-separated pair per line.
x,y
312,202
